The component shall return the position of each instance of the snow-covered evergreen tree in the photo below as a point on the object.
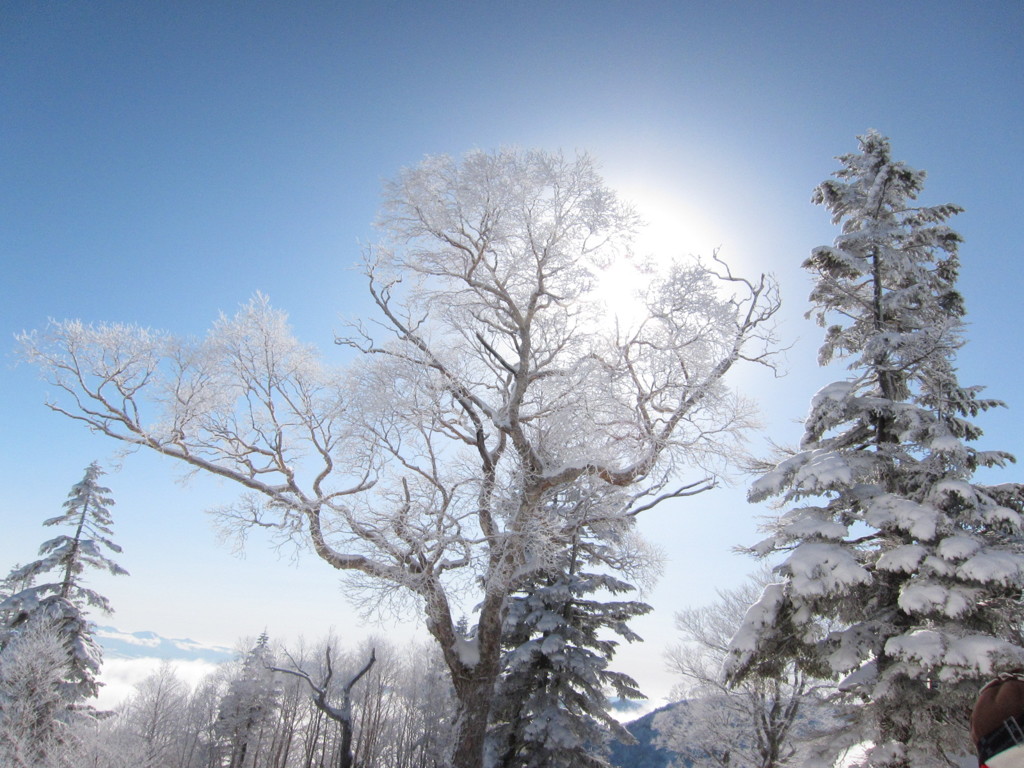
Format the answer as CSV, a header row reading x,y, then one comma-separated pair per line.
x,y
888,532
248,706
64,598
10,586
552,710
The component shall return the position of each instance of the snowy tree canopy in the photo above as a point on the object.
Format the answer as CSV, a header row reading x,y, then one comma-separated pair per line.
x,y
34,712
491,379
763,722
887,531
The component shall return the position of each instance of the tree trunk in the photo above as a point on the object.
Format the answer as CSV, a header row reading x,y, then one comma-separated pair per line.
x,y
473,683
471,724
345,753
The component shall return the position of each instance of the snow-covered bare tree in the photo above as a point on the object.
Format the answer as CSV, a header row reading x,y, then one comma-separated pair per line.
x,y
156,715
492,379
759,723
35,721
64,600
888,531
108,744
164,724
338,711
419,731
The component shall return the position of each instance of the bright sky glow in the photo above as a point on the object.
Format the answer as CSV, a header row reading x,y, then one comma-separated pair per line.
x,y
162,162
672,229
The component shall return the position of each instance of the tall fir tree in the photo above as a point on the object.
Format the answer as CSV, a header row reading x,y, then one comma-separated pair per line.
x,y
63,600
888,533
552,709
248,707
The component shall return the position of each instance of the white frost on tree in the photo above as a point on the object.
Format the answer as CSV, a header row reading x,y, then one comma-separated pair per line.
x,y
491,379
35,721
247,707
155,716
551,706
887,532
763,722
63,600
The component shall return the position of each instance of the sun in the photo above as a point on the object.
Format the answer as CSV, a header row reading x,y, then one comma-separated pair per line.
x,y
673,229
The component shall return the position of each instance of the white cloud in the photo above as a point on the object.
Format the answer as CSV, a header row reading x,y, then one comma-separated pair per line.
x,y
120,676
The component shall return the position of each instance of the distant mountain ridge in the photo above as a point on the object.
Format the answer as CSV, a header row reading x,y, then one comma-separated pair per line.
x,y
645,754
149,645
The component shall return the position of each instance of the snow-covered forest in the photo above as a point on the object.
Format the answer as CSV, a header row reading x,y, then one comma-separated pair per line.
x,y
497,435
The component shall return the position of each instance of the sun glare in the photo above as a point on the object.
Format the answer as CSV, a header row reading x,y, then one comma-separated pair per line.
x,y
672,230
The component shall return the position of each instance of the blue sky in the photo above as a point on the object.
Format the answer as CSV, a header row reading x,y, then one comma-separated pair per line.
x,y
162,162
